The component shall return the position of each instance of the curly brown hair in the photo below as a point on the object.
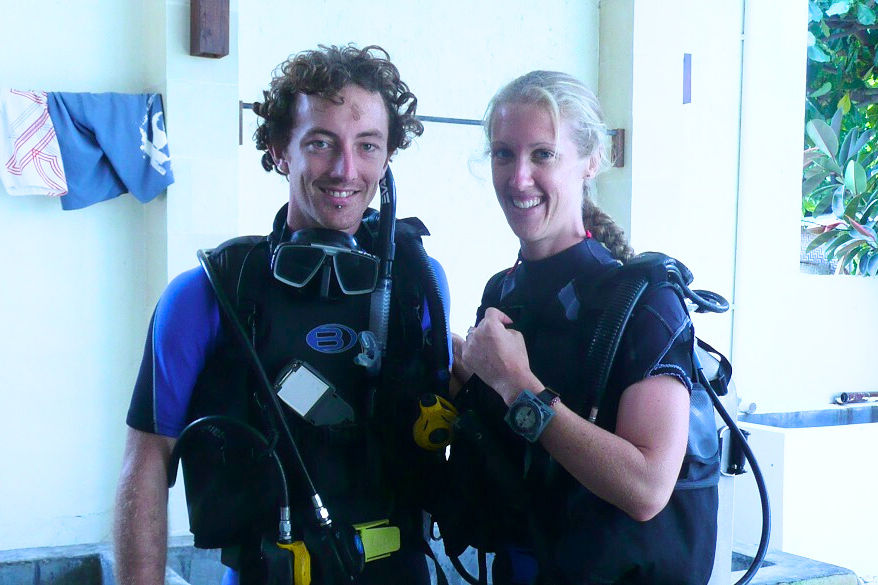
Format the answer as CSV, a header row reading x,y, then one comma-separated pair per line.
x,y
325,72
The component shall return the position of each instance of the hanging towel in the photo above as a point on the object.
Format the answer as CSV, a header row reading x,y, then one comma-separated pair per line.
x,y
30,160
111,143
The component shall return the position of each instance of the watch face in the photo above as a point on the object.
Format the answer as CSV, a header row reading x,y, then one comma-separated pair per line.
x,y
525,418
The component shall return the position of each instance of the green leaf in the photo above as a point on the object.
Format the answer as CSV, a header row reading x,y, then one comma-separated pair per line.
x,y
846,146
855,177
835,124
839,8
847,252
814,12
810,184
844,104
825,202
851,208
823,137
824,28
842,238
872,266
810,155
865,15
822,90
858,256
812,170
820,240
830,165
860,143
870,209
868,232
815,53
838,201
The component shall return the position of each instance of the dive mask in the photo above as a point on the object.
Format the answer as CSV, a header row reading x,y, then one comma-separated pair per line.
x,y
297,261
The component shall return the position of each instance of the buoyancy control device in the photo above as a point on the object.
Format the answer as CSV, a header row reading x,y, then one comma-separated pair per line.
x,y
273,466
622,288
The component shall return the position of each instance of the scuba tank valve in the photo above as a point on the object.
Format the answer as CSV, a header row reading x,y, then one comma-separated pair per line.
x,y
433,430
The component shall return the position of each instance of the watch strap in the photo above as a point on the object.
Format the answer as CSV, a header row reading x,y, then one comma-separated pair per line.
x,y
548,397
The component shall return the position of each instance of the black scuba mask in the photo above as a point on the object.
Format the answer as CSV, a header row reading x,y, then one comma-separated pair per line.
x,y
309,250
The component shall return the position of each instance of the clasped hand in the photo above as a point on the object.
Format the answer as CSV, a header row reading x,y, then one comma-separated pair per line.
x,y
495,353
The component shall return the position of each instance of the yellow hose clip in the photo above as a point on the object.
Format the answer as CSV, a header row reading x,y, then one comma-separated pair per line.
x,y
379,539
301,561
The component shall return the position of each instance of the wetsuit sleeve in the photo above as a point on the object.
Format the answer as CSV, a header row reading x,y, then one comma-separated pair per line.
x,y
445,297
658,341
183,333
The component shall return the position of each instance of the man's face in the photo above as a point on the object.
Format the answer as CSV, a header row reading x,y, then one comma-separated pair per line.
x,y
336,155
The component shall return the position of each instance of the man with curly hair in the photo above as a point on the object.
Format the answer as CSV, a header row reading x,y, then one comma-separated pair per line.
x,y
330,123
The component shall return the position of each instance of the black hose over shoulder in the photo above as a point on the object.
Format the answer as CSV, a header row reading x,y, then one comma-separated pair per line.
x,y
264,386
221,421
414,251
757,475
607,336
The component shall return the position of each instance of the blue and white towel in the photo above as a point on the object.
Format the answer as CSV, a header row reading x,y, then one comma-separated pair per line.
x,y
111,143
30,159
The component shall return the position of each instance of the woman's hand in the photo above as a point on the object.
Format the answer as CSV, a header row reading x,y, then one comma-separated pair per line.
x,y
459,373
497,354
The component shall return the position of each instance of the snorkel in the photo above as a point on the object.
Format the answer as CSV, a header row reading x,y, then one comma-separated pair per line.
x,y
379,314
374,341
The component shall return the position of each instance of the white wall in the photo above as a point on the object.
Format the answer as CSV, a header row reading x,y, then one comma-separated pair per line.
x,y
75,297
799,339
79,286
684,156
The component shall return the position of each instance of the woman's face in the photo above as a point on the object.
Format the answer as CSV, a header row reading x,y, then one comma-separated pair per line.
x,y
538,179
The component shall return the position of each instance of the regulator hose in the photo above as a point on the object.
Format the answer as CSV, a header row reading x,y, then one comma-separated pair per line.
x,y
414,250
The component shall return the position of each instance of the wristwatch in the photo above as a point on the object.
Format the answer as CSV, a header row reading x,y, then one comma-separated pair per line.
x,y
530,413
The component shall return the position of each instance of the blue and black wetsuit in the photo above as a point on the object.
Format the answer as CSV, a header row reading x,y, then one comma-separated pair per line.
x,y
192,367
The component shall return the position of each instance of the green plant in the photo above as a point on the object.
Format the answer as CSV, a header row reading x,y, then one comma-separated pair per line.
x,y
842,60
840,194
839,183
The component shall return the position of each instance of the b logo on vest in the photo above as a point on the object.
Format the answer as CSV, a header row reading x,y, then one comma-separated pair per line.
x,y
331,338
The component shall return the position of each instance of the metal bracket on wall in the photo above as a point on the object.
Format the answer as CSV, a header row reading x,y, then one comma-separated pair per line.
x,y
617,151
241,107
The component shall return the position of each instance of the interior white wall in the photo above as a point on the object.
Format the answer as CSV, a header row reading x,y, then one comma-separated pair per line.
x,y
75,297
684,156
454,55
799,339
